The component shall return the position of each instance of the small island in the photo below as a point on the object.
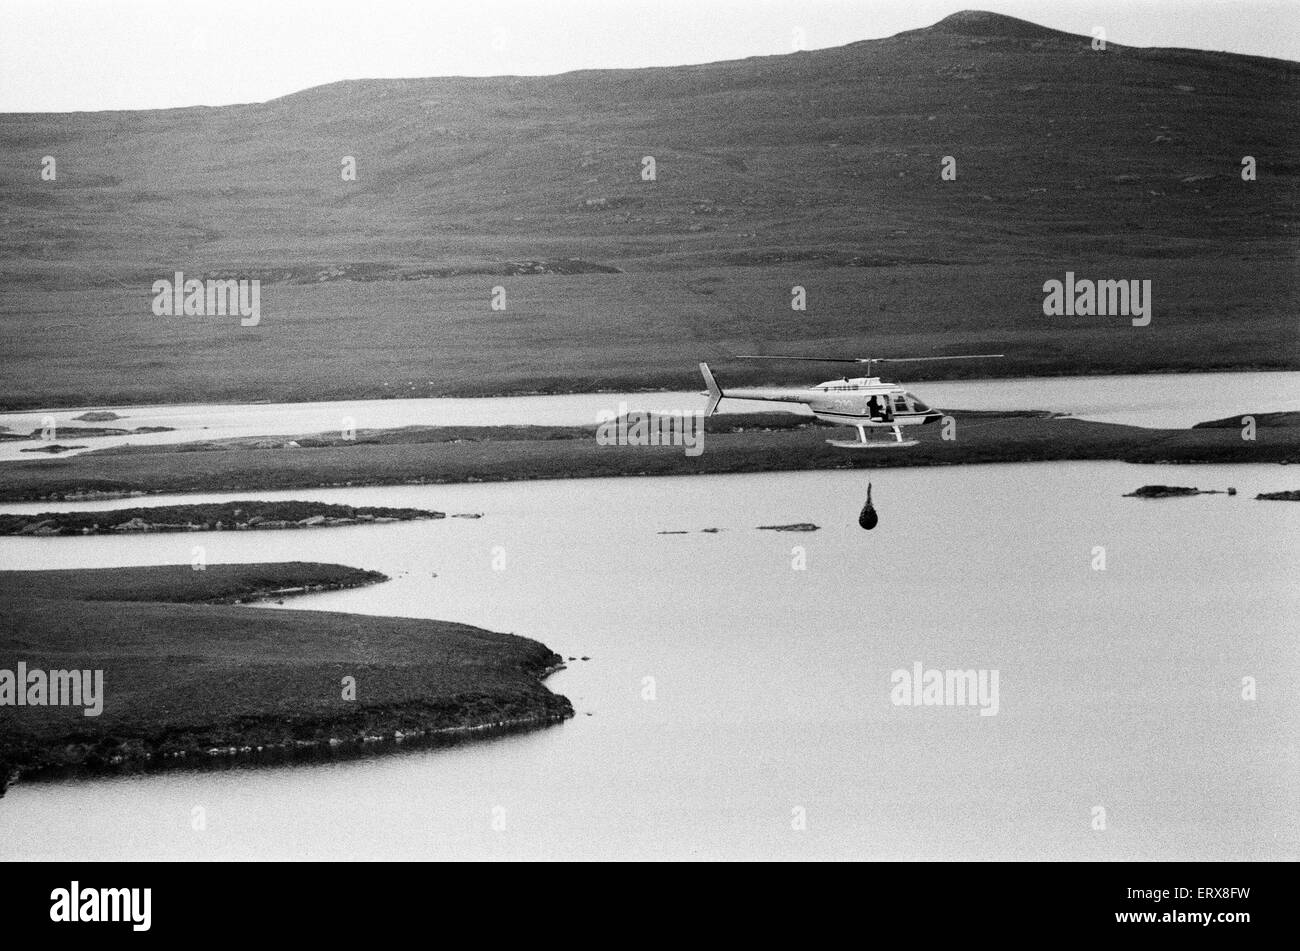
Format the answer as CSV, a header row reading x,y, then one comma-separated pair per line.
x,y
1292,495
209,517
52,448
1173,492
90,432
191,675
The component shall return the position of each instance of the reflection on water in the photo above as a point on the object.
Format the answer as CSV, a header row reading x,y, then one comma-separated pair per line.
x,y
738,676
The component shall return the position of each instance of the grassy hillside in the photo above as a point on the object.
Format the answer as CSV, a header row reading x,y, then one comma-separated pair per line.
x,y
186,672
820,169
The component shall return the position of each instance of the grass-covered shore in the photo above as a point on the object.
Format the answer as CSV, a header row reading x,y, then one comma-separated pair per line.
x,y
767,443
191,675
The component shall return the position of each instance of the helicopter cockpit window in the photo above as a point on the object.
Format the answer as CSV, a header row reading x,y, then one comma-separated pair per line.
x,y
917,405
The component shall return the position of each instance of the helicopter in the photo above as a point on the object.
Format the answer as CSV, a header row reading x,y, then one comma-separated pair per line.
x,y
865,402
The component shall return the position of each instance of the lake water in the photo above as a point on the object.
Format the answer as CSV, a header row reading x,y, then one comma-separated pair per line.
x,y
1164,400
770,692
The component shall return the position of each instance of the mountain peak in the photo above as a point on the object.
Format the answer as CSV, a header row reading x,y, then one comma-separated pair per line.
x,y
984,23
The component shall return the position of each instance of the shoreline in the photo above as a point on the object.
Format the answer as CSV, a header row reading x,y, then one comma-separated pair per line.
x,y
73,762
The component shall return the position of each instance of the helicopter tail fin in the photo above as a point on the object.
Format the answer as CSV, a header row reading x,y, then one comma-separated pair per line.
x,y
715,391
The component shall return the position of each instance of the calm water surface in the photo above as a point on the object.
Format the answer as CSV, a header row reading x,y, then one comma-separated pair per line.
x,y
771,685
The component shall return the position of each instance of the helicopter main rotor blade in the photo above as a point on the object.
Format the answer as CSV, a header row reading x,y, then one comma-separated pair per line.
x,y
960,356
755,356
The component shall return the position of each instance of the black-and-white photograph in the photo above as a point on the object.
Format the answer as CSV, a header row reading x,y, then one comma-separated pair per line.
x,y
700,431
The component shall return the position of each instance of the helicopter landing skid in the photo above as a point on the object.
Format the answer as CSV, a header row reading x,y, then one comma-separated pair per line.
x,y
862,442
873,444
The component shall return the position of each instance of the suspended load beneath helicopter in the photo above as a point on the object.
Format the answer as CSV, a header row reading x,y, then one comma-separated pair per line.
x,y
868,519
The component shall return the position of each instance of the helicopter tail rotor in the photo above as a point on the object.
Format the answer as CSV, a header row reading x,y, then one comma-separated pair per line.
x,y
715,391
